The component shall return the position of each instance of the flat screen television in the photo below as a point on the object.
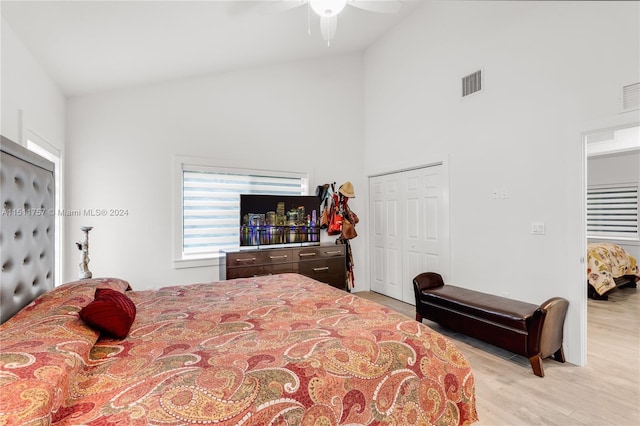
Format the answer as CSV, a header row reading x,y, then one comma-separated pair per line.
x,y
279,220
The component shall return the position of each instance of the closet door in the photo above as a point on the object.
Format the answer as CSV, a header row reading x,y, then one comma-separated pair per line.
x,y
409,229
425,236
386,250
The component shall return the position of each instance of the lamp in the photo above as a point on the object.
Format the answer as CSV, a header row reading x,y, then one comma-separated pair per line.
x,y
327,8
84,248
328,11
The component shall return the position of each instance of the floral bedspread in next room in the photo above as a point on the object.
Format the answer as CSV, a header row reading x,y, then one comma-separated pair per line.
x,y
606,262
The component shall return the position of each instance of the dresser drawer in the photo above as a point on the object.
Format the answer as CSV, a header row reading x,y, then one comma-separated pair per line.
x,y
330,271
318,252
259,270
257,257
277,256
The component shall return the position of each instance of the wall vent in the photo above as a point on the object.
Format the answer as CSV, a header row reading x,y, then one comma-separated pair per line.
x,y
607,136
472,83
631,97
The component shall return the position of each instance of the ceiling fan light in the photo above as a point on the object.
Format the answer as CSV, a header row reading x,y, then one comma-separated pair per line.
x,y
327,7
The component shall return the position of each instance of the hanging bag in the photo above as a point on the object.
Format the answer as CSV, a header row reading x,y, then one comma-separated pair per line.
x,y
324,218
335,218
335,223
348,230
349,221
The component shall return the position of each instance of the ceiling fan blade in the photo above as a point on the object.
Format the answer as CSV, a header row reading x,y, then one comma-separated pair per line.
x,y
328,27
281,5
380,6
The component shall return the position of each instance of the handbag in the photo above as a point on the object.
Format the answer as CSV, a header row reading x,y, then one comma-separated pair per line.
x,y
335,218
324,218
348,230
335,223
355,217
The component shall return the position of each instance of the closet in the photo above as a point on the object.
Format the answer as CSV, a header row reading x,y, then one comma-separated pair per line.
x,y
409,228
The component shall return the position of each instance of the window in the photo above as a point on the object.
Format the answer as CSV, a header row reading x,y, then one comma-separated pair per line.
x,y
210,204
612,211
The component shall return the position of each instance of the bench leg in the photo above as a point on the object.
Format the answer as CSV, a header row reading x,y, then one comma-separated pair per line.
x,y
559,355
418,317
536,365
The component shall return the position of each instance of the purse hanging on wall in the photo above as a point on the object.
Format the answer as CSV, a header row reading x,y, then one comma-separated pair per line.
x,y
335,218
324,218
348,230
349,220
335,223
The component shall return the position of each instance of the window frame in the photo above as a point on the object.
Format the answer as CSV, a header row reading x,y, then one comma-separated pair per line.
x,y
182,163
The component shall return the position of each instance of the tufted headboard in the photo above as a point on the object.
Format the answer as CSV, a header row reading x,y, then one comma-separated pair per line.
x,y
26,227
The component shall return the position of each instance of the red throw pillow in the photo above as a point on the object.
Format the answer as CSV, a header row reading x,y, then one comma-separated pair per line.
x,y
111,313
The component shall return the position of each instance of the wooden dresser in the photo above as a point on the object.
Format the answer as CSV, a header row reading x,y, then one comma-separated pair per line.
x,y
325,262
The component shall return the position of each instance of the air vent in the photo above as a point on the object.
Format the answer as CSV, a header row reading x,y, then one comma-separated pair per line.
x,y
631,97
608,136
472,83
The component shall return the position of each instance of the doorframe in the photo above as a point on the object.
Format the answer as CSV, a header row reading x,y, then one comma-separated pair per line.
x,y
621,121
440,160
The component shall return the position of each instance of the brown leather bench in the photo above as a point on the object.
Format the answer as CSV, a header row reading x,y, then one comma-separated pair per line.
x,y
520,327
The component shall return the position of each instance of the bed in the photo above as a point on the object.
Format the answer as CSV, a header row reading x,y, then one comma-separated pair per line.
x,y
274,350
282,349
609,267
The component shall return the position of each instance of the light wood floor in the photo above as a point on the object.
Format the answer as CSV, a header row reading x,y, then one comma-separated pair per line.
x,y
605,392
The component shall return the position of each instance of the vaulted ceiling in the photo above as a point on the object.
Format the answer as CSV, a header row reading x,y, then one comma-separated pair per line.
x,y
92,46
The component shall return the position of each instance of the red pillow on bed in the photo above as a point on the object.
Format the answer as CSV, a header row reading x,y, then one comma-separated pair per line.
x,y
111,313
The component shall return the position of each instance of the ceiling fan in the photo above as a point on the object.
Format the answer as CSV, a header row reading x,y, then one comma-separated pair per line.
x,y
328,11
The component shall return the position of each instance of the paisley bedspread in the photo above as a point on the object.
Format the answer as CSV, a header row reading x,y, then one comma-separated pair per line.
x,y
276,350
605,262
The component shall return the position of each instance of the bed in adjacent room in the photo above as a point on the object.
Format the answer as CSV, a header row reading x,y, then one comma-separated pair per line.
x,y
280,349
609,267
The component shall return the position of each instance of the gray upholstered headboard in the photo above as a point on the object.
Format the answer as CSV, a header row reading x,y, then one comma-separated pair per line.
x,y
26,227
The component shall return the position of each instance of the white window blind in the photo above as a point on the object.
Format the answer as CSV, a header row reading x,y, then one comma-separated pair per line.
x,y
211,204
612,211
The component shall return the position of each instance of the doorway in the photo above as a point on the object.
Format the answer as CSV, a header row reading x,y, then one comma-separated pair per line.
x,y
410,228
605,140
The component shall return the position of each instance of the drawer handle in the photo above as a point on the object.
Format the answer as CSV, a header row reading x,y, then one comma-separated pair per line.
x,y
334,252
252,259
307,254
324,268
284,256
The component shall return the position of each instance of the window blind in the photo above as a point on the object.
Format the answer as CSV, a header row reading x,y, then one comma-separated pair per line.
x,y
612,211
211,205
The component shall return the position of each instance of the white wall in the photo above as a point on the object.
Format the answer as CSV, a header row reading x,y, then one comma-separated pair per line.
x,y
549,67
303,116
25,86
615,169
31,102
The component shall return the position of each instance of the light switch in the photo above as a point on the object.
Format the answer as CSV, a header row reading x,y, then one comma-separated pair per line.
x,y
538,228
